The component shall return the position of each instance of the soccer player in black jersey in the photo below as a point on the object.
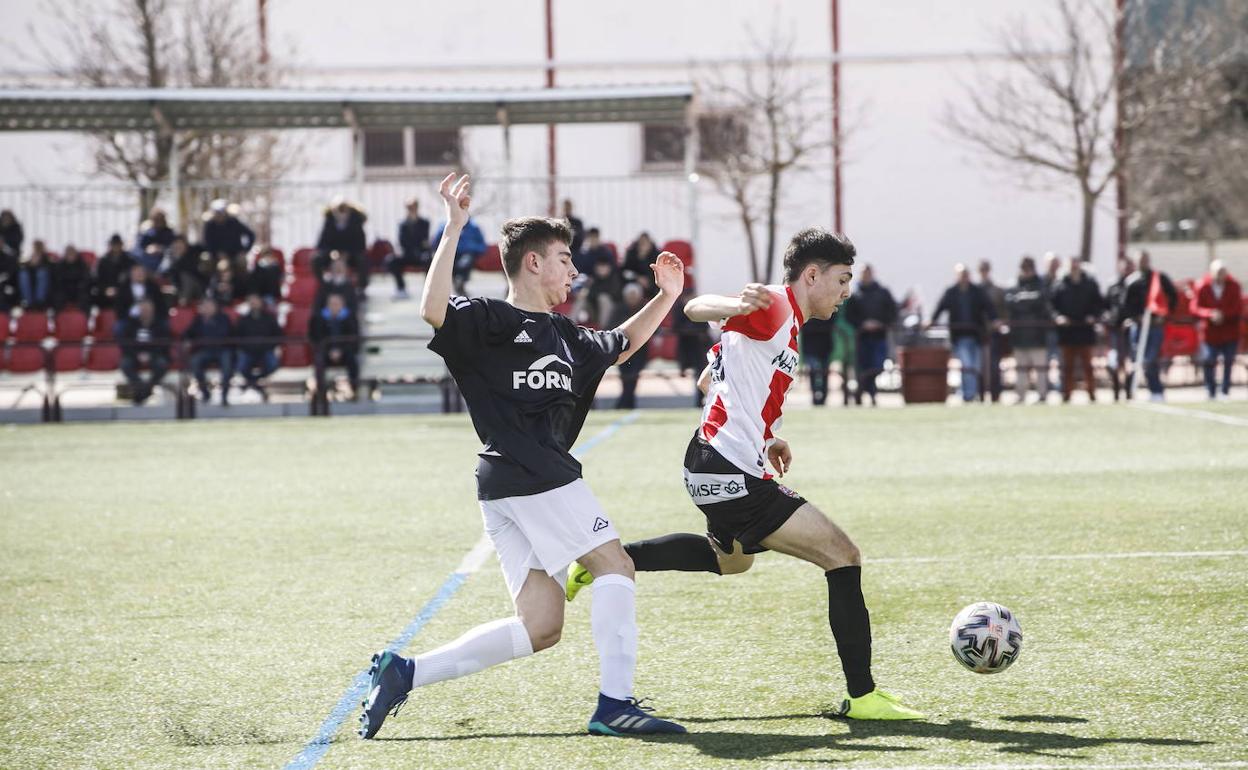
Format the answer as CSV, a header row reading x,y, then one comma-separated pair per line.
x,y
529,377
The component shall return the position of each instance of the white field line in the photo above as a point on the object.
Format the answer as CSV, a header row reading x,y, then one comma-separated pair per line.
x,y
1199,414
1074,763
1065,557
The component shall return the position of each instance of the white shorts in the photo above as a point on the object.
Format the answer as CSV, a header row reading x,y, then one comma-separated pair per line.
x,y
546,531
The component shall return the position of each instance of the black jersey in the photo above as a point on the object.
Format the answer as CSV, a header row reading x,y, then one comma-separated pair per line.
x,y
529,380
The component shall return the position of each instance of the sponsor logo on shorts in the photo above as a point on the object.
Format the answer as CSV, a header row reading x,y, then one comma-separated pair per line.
x,y
786,491
600,524
706,488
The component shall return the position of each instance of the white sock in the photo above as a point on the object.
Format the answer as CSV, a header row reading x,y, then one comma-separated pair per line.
x,y
484,646
613,618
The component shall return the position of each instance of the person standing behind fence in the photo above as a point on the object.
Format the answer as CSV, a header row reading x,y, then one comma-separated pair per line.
x,y
413,247
1119,348
1030,314
208,335
970,313
1077,304
343,231
996,337
871,310
336,322
224,234
815,340
630,370
11,235
1218,302
1150,298
469,249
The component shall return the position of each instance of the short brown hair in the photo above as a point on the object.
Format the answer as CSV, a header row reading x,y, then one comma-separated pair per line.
x,y
818,246
524,234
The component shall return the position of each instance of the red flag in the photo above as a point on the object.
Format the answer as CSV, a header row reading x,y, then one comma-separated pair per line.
x,y
1157,303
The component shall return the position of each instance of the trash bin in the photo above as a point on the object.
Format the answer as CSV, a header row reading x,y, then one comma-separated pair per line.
x,y
924,374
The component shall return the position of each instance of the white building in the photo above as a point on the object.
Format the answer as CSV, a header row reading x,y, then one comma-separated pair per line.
x,y
915,201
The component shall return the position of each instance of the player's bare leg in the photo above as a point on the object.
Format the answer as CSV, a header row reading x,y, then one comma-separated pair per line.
x,y
811,536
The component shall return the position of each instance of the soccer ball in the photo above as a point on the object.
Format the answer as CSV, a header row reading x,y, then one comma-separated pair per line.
x,y
986,638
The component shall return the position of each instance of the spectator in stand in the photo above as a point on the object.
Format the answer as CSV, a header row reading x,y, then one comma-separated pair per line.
x,y
343,231
815,340
209,335
228,287
1218,302
471,246
1030,314
336,320
266,276
110,270
34,281
144,340
155,238
996,338
592,250
1052,268
413,247
257,352
9,267
1077,304
970,313
192,269
630,370
138,287
337,280
1119,346
71,281
638,257
693,340
11,236
576,226
1158,302
871,310
225,236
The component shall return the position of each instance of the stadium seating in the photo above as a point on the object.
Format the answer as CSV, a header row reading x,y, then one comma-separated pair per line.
x,y
301,261
103,357
615,253
88,257
301,292
682,249
24,359
297,319
490,261
71,328
4,327
296,354
180,319
377,254
102,326
32,326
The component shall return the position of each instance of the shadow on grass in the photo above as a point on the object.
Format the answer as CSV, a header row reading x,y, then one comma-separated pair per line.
x,y
1052,719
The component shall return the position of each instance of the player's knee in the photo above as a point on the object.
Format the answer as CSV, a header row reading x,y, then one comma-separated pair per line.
x,y
735,564
543,634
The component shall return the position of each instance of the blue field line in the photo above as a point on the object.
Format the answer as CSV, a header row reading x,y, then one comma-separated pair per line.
x,y
320,743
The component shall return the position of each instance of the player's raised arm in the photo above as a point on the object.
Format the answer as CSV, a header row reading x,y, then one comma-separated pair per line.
x,y
716,307
669,276
437,289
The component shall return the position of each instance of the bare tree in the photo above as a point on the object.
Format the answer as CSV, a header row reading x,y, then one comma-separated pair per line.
x,y
773,115
1051,115
168,43
1189,160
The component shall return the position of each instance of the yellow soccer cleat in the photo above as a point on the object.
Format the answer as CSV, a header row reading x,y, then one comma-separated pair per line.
x,y
578,578
876,705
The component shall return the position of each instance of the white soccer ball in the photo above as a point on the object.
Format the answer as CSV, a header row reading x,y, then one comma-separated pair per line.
x,y
986,638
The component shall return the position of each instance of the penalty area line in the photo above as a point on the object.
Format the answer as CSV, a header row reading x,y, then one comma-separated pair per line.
x,y
1199,414
1064,557
472,561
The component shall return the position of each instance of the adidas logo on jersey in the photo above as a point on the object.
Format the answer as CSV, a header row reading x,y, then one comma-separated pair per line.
x,y
523,336
539,377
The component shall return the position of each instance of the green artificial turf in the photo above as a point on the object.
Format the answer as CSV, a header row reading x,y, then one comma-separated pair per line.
x,y
202,594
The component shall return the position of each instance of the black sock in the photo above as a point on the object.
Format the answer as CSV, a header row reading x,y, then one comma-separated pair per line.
x,y
684,552
851,626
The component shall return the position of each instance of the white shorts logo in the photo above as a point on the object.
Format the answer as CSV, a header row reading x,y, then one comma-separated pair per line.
x,y
706,488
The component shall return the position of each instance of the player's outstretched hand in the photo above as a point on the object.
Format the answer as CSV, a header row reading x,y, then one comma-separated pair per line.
x,y
455,197
754,296
669,274
781,456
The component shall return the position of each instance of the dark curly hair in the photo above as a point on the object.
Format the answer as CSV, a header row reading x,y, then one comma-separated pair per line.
x,y
814,244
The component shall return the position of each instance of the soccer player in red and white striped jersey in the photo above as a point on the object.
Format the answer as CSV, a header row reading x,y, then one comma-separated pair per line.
x,y
731,458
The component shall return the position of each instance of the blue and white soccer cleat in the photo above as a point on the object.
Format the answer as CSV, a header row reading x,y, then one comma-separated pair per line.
x,y
387,691
628,717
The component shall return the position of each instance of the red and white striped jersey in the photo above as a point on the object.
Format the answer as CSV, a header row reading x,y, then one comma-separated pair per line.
x,y
752,368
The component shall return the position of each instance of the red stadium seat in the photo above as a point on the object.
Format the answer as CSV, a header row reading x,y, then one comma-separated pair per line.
x,y
296,354
490,261
664,347
71,326
88,257
297,322
67,357
301,292
682,249
180,319
377,254
104,357
615,253
32,326
102,327
301,261
4,327
24,359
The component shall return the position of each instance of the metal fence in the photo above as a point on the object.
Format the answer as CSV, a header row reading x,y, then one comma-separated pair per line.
x,y
289,214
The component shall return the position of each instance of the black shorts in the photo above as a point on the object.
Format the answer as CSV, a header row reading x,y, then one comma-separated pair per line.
x,y
737,505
